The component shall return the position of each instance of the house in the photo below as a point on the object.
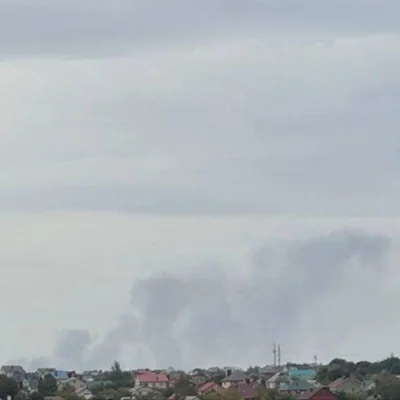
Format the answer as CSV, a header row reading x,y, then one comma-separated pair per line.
x,y
16,372
77,384
30,383
175,376
42,372
84,393
214,370
142,371
60,375
269,370
209,387
246,390
198,380
385,377
346,385
91,374
368,386
322,393
53,398
277,380
57,374
374,396
235,378
141,392
152,380
99,384
297,386
303,372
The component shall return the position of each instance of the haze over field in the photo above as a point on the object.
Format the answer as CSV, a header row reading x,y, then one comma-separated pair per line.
x,y
184,183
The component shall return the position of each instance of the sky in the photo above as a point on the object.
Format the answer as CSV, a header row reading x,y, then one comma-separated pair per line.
x,y
184,183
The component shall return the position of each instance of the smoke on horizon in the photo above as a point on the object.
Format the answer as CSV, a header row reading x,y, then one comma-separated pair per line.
x,y
291,292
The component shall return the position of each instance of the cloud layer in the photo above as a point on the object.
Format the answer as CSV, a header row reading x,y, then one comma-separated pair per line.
x,y
164,146
250,125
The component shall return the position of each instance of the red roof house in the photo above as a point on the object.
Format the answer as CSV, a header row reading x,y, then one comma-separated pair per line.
x,y
152,380
322,393
245,390
209,387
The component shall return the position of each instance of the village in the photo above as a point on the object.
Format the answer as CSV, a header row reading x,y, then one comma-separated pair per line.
x,y
337,380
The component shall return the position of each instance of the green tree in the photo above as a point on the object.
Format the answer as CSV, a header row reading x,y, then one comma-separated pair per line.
x,y
184,387
119,377
252,370
322,374
107,394
217,378
48,385
212,396
389,390
67,395
113,394
168,392
342,396
67,388
36,396
232,394
21,396
116,371
8,387
335,372
275,395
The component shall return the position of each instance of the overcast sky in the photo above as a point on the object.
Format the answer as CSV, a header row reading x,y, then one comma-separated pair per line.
x,y
185,182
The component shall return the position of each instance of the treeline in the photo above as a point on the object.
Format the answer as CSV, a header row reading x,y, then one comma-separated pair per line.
x,y
361,370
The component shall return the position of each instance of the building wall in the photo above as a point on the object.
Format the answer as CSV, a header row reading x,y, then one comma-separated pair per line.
x,y
350,387
226,385
157,385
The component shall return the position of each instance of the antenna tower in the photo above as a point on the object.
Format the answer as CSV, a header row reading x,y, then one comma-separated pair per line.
x,y
279,355
274,353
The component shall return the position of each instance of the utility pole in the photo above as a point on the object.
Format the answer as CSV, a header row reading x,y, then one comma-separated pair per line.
x,y
274,353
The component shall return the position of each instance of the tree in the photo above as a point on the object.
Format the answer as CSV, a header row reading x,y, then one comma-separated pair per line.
x,y
389,390
119,377
217,378
8,387
184,387
275,395
37,396
107,394
21,396
67,388
116,371
68,395
335,373
48,385
169,391
232,394
212,396
252,370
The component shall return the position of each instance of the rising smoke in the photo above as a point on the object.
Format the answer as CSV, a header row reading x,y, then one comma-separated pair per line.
x,y
292,291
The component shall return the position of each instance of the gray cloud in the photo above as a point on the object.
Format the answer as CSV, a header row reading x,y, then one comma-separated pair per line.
x,y
205,107
200,317
251,122
105,27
